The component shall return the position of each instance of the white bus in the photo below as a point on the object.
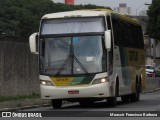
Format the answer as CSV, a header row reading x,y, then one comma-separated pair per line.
x,y
89,55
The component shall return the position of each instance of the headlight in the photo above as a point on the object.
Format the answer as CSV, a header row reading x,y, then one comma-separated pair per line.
x,y
98,81
46,83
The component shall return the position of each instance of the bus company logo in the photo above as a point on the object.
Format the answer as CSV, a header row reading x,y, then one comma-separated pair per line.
x,y
6,114
62,79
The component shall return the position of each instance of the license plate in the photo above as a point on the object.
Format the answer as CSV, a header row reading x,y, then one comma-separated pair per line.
x,y
73,92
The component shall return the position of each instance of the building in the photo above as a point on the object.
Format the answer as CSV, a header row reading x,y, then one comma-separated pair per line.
x,y
123,9
70,2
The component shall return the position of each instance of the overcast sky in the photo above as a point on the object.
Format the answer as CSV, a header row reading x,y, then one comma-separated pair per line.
x,y
136,5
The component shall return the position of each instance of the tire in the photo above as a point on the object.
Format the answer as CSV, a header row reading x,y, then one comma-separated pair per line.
x,y
125,99
112,101
135,97
56,104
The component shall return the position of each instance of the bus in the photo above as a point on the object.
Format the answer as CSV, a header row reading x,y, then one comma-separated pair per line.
x,y
89,55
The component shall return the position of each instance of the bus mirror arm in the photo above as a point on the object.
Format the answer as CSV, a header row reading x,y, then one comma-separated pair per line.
x,y
33,43
107,39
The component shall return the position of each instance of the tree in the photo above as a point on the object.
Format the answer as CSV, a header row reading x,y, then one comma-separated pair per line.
x,y
153,27
21,17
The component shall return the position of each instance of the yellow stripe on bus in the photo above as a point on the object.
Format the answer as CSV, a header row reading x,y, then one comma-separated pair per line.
x,y
62,81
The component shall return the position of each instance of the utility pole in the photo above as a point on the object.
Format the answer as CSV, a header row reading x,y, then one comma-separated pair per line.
x,y
147,4
154,45
154,50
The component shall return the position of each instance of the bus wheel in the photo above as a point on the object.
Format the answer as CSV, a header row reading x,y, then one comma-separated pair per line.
x,y
125,99
56,104
112,101
135,97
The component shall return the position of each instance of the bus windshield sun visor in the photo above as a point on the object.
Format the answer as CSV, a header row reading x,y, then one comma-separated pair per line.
x,y
68,26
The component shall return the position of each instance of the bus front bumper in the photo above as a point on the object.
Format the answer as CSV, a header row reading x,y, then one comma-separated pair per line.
x,y
91,91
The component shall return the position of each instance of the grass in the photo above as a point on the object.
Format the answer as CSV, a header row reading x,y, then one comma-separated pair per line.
x,y
10,98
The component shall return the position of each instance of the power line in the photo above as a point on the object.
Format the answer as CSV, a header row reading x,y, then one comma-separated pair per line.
x,y
135,11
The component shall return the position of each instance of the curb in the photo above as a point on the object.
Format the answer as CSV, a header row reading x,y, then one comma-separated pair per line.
x,y
23,108
150,91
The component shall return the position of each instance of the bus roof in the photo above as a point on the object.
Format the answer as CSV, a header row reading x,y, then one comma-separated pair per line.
x,y
120,16
76,13
90,13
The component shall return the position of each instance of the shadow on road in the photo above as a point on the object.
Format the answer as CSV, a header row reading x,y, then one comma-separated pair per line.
x,y
99,104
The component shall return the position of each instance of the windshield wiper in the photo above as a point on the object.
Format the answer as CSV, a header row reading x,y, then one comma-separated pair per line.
x,y
71,58
62,67
84,69
67,60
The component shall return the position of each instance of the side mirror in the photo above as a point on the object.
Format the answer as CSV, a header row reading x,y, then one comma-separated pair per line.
x,y
33,43
107,39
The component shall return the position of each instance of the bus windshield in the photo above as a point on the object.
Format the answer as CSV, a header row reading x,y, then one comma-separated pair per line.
x,y
72,55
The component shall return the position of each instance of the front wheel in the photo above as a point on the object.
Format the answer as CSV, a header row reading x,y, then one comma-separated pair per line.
x,y
112,101
56,104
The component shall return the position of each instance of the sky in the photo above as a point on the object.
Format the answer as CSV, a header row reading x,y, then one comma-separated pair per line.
x,y
136,5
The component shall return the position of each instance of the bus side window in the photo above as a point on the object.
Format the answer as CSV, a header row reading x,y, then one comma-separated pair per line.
x,y
111,52
115,31
42,46
140,37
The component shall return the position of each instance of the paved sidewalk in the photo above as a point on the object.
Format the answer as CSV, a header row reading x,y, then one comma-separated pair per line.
x,y
23,104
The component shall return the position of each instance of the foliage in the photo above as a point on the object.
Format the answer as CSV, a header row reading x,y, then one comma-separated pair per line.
x,y
10,98
153,27
21,17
